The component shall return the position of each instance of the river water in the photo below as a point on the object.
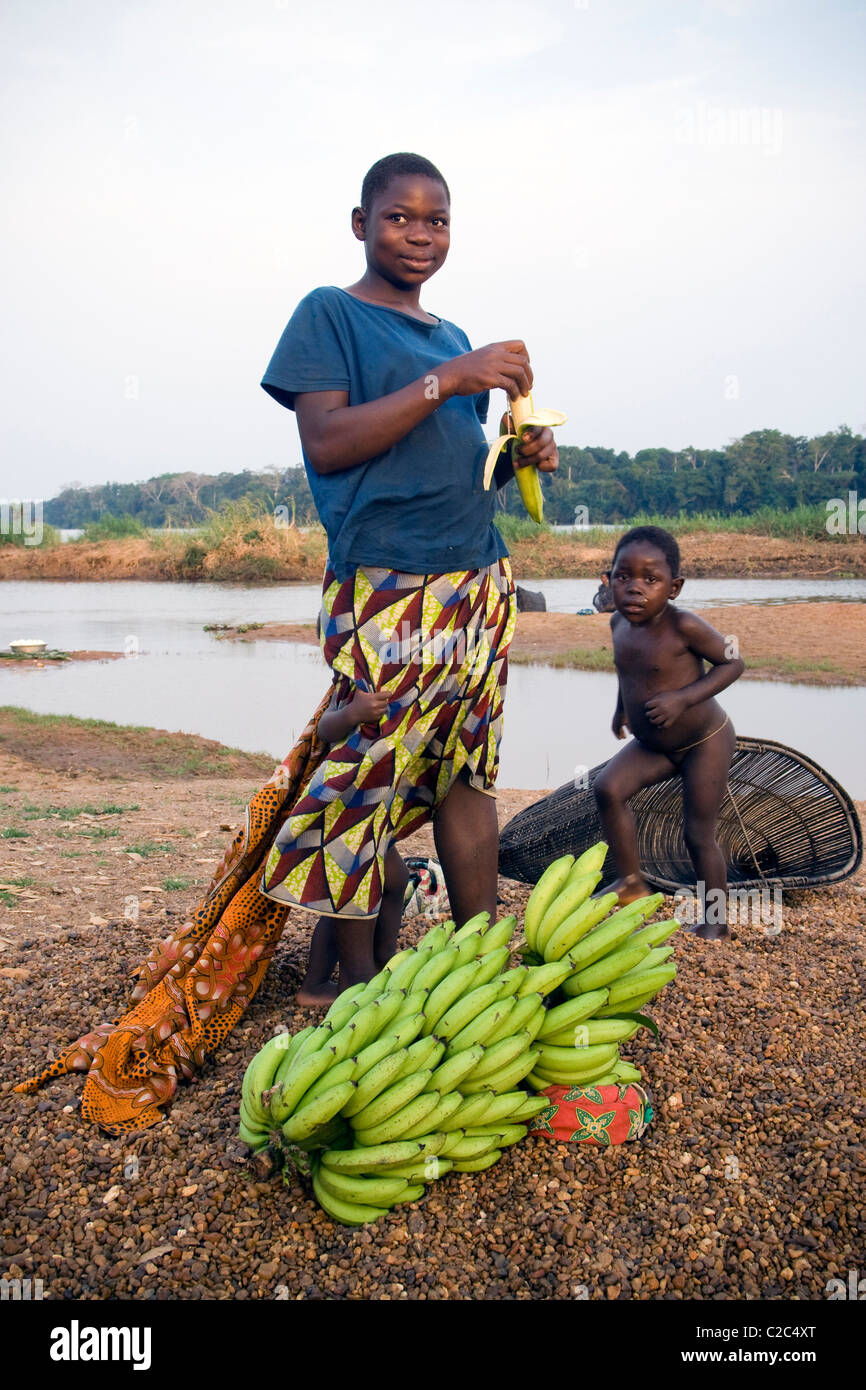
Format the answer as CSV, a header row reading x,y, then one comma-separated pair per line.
x,y
258,695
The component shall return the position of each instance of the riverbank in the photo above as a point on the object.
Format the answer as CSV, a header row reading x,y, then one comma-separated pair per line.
x,y
14,659
804,643
269,554
747,1185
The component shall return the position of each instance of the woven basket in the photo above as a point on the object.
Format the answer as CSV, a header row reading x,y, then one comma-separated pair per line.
x,y
801,828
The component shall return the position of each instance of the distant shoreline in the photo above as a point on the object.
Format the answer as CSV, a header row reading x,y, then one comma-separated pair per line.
x,y
281,556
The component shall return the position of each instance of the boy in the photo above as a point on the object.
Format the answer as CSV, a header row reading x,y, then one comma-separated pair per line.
x,y
666,698
365,707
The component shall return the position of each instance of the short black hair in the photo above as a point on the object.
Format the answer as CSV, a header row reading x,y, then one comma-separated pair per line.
x,y
393,166
655,536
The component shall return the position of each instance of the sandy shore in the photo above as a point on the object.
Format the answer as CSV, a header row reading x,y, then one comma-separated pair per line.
x,y
749,1183
7,659
813,643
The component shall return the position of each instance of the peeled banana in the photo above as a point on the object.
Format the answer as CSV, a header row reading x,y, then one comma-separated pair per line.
x,y
524,416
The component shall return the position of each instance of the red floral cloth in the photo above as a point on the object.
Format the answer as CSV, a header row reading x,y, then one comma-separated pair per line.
x,y
602,1115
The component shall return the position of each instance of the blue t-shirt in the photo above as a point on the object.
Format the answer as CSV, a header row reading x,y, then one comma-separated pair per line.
x,y
421,506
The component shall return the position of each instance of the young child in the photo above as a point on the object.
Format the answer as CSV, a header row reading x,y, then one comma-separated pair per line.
x,y
602,600
365,707
666,697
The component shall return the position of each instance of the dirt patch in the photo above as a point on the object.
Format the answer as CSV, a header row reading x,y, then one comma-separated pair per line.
x,y
272,632
748,1184
705,555
82,747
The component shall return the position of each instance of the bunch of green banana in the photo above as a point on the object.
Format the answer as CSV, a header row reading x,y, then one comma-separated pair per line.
x,y
428,1056
523,416
422,1071
615,966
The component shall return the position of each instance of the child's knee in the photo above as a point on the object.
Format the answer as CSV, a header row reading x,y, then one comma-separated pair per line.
x,y
605,791
700,839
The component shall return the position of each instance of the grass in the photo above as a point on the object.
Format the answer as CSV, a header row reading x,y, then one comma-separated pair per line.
x,y
48,721
50,654
97,832
177,885
113,528
10,833
50,536
793,666
578,658
8,789
11,899
243,543
520,528
31,812
147,848
797,523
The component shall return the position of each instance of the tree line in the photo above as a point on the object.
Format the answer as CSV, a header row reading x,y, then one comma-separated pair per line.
x,y
764,469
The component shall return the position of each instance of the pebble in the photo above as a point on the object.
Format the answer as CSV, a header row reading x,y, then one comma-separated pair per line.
x,y
748,1183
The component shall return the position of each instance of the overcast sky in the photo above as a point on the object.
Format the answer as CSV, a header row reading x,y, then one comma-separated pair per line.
x,y
665,200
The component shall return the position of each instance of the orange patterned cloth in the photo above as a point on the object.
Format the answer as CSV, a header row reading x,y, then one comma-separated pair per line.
x,y
193,987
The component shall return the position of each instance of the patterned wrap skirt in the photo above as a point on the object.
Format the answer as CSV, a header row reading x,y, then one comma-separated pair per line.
x,y
438,645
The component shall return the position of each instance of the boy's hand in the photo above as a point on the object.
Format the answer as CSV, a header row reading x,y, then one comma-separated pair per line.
x,y
539,447
620,724
498,366
665,708
369,705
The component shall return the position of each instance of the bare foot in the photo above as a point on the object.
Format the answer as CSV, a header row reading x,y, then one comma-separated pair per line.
x,y
316,997
629,888
711,931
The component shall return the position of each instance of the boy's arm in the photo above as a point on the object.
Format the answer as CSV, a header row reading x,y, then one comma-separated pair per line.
x,y
335,724
336,435
711,646
620,723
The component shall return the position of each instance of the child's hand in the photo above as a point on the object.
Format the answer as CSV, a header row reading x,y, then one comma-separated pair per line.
x,y
368,706
620,724
665,708
502,366
539,447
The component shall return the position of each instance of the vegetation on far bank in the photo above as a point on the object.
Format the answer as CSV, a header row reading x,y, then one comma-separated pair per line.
x,y
764,469
245,545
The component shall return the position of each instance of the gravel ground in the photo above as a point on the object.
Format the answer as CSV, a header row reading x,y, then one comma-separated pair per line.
x,y
749,1183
